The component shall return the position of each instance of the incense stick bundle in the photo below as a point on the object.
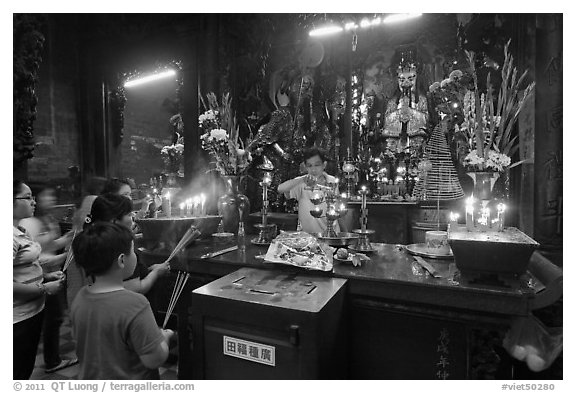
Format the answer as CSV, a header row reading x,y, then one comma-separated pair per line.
x,y
179,286
172,297
69,253
191,234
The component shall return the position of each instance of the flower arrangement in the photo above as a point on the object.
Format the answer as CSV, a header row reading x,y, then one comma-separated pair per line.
x,y
221,137
172,155
488,120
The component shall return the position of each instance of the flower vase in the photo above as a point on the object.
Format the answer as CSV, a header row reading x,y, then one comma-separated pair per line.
x,y
233,206
483,184
502,187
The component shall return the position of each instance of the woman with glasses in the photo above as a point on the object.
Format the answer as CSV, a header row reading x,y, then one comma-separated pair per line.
x,y
30,285
44,228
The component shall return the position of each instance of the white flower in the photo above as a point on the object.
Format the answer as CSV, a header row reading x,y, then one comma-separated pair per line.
x,y
240,152
472,159
497,161
179,148
219,134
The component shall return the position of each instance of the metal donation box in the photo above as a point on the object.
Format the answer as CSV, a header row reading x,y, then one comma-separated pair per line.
x,y
266,324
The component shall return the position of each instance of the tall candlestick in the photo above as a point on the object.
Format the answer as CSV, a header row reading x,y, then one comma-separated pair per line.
x,y
470,214
182,209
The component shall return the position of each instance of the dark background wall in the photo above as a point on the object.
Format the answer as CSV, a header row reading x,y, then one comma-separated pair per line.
x,y
56,128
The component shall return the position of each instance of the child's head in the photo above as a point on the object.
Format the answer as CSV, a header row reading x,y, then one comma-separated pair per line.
x,y
117,186
103,246
315,161
112,208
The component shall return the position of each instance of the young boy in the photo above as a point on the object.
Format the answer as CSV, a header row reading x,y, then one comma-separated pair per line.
x,y
115,330
301,189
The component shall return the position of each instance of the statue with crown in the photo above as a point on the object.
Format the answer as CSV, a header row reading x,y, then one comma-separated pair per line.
x,y
406,114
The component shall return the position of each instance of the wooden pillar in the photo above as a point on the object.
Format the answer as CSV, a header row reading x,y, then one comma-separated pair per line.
x,y
525,47
548,137
209,61
193,162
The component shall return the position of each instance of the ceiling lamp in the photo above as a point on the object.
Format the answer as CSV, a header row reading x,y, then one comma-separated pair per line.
x,y
149,78
325,30
399,17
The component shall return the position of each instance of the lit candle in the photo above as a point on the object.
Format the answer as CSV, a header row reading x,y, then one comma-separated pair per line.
x,y
501,208
189,206
166,205
363,192
453,220
182,209
470,214
484,219
196,206
202,205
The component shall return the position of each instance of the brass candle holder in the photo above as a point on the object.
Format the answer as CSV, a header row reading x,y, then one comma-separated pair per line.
x,y
335,209
267,231
363,242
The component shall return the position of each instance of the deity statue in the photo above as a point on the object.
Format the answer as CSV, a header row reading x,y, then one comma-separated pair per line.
x,y
275,138
406,113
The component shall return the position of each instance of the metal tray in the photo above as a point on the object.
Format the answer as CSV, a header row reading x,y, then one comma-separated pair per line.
x,y
420,249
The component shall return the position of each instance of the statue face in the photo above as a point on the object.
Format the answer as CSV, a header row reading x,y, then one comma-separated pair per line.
x,y
407,79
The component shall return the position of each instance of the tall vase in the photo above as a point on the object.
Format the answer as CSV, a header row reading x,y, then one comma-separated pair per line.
x,y
483,184
233,206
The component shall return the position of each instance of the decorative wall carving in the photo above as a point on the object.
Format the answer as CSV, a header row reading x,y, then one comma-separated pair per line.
x,y
28,46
